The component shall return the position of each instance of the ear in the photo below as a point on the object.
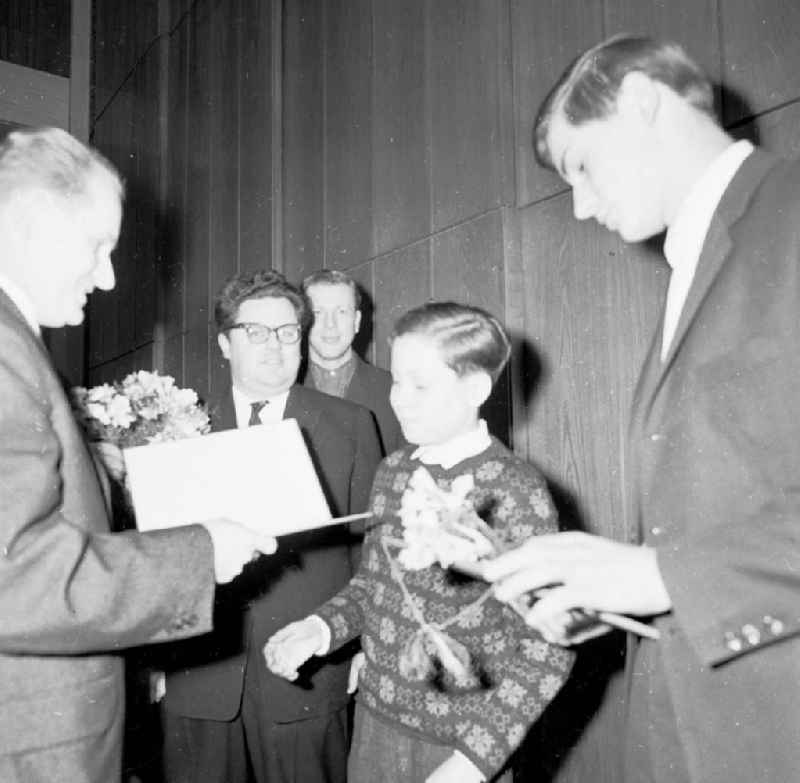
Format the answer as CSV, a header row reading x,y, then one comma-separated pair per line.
x,y
224,345
480,387
357,321
639,95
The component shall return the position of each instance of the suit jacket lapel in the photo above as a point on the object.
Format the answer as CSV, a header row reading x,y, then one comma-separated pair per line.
x,y
716,249
298,407
355,389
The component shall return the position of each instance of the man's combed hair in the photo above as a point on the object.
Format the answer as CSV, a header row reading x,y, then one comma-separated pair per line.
x,y
588,89
260,285
52,159
469,338
334,277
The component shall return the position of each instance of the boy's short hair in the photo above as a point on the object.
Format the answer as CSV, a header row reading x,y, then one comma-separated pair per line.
x,y
260,285
588,89
469,338
334,277
51,159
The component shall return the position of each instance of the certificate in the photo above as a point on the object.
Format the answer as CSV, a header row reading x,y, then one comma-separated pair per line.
x,y
261,476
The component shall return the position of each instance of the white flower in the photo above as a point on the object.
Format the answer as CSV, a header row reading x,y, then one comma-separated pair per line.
x,y
439,525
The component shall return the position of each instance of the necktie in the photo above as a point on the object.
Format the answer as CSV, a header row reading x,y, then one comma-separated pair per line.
x,y
255,410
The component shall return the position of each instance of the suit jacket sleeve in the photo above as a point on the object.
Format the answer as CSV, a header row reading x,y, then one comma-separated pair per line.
x,y
67,585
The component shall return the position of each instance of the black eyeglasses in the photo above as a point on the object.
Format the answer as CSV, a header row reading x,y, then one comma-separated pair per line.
x,y
287,334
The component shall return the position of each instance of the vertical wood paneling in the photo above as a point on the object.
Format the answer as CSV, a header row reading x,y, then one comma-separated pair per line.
x,y
364,343
402,281
255,135
401,187
467,263
467,266
172,351
303,144
172,272
196,346
593,305
122,34
762,58
348,132
36,34
464,73
779,131
198,199
546,36
223,146
147,205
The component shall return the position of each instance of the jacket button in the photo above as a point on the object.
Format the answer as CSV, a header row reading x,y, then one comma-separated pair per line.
x,y
733,642
773,625
656,531
656,436
751,634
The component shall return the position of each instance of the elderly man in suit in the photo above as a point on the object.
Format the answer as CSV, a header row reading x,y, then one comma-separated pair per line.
x,y
714,448
227,718
72,594
333,366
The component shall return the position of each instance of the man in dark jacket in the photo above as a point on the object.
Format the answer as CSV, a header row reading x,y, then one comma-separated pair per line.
x,y
227,718
333,366
714,441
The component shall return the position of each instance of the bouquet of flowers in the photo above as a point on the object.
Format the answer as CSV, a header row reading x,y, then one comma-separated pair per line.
x,y
442,527
145,407
439,526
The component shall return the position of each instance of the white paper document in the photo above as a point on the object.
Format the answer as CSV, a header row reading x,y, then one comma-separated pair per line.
x,y
261,476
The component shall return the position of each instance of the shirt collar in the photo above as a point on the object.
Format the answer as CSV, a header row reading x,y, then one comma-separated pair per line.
x,y
22,302
687,232
453,451
272,412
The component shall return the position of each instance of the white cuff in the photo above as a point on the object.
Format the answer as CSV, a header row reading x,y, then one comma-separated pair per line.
x,y
471,774
325,645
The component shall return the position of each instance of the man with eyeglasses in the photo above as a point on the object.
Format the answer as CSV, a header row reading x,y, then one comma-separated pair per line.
x,y
226,717
333,366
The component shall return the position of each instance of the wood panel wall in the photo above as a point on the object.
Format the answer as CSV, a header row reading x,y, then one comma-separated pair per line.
x,y
36,34
392,138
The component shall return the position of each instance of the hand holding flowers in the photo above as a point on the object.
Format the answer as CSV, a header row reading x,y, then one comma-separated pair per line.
x,y
145,407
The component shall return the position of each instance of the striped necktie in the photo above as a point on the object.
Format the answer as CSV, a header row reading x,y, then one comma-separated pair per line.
x,y
255,410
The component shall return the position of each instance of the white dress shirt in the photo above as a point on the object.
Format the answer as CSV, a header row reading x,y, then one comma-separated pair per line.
x,y
273,411
451,452
687,233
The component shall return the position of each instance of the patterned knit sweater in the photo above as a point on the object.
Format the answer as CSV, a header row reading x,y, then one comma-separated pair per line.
x,y
516,672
